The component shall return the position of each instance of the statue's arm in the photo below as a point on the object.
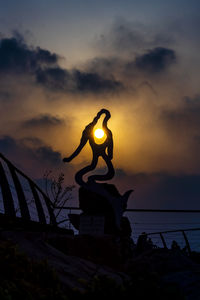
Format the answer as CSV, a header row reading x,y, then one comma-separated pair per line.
x,y
78,150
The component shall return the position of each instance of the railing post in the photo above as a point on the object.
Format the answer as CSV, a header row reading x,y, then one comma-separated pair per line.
x,y
38,204
20,194
186,242
163,240
50,210
6,193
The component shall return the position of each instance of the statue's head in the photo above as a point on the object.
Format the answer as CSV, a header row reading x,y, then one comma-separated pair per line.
x,y
104,111
101,112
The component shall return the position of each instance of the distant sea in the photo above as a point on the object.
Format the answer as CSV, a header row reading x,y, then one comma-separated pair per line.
x,y
151,222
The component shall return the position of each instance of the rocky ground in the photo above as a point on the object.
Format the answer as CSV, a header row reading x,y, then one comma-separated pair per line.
x,y
93,267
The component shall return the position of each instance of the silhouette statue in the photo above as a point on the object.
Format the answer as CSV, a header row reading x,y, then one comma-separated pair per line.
x,y
95,198
97,150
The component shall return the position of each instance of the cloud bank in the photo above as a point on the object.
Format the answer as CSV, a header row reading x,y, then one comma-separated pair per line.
x,y
140,76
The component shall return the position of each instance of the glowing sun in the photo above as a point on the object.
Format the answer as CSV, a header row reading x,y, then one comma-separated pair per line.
x,y
99,133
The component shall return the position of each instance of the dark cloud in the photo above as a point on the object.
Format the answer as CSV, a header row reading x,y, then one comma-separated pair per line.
x,y
140,67
33,151
7,144
161,190
86,82
106,66
127,38
32,142
45,154
5,96
186,116
122,38
133,52
16,56
43,121
53,78
180,191
155,60
76,81
98,76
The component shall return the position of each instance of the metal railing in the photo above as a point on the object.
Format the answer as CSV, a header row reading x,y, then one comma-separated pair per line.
x,y
8,201
162,236
183,231
9,207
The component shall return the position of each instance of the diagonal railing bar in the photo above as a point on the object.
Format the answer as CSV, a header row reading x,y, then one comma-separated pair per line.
x,y
163,240
186,242
38,204
6,193
172,231
20,193
8,199
50,210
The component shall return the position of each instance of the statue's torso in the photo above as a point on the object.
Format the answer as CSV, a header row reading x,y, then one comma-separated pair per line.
x,y
98,149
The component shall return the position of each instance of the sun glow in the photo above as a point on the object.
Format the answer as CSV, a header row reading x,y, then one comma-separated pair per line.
x,y
99,133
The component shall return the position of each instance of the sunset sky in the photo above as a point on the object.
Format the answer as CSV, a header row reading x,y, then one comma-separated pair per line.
x,y
61,61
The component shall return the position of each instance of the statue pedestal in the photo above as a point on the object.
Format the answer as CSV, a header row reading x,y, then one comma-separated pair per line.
x,y
102,207
91,225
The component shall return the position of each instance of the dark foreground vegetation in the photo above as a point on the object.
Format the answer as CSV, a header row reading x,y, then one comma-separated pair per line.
x,y
22,278
152,274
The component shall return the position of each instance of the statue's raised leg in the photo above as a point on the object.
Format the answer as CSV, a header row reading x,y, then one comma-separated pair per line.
x,y
109,175
79,175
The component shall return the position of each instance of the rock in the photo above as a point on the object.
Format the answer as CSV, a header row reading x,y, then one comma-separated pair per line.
x,y
73,271
188,281
162,261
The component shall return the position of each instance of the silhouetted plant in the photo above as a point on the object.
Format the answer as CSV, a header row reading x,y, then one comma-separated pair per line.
x,y
57,191
175,245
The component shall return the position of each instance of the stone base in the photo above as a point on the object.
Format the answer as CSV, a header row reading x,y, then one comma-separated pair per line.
x,y
100,201
92,225
101,226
